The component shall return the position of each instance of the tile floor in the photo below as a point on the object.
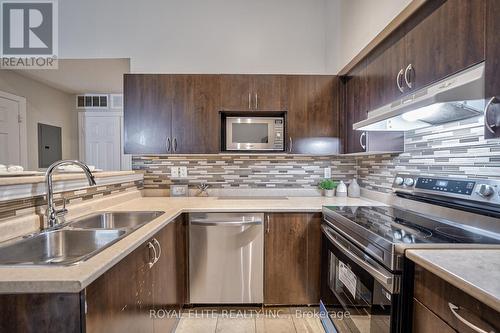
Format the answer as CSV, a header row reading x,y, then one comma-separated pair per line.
x,y
252,320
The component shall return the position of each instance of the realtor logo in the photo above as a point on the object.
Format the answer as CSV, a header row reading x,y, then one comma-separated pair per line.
x,y
29,34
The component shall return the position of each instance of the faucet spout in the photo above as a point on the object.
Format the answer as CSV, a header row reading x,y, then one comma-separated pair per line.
x,y
52,213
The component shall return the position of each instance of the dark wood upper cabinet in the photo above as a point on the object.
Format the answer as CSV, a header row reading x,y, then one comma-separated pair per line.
x,y
356,105
384,75
313,108
235,92
291,257
447,41
492,87
269,92
147,113
195,114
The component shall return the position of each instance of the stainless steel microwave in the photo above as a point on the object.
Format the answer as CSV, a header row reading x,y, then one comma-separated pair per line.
x,y
255,133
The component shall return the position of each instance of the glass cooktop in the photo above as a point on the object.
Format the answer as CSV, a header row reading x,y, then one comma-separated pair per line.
x,y
401,226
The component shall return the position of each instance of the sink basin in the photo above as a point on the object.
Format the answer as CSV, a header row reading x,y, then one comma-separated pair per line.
x,y
63,247
115,220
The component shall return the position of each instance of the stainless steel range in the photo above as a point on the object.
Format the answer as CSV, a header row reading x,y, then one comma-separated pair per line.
x,y
364,272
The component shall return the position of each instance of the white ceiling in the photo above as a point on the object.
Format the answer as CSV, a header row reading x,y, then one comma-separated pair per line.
x,y
77,76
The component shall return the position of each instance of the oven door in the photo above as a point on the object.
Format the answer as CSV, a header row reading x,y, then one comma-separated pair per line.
x,y
357,293
254,133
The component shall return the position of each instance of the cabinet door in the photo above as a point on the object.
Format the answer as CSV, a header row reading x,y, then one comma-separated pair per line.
x,y
268,92
384,73
235,92
169,275
291,255
450,39
147,113
425,321
120,300
313,108
195,114
356,107
492,87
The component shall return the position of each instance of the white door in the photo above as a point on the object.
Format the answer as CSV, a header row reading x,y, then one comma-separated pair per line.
x,y
10,146
101,141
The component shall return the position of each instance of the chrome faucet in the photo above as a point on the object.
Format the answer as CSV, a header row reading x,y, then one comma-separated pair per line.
x,y
52,213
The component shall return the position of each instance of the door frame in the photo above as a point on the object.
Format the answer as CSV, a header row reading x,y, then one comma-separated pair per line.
x,y
23,136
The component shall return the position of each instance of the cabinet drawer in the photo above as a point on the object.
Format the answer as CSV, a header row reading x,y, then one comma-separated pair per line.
x,y
437,295
425,321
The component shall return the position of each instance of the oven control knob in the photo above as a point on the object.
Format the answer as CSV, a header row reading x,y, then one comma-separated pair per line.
x,y
409,181
485,191
399,181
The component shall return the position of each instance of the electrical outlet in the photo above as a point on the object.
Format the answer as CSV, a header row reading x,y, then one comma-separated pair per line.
x,y
183,172
174,172
328,173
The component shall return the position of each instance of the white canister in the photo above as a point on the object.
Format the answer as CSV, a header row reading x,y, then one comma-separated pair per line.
x,y
354,191
341,189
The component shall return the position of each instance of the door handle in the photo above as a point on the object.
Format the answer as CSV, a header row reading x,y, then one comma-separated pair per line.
x,y
489,126
249,100
408,82
168,145
159,249
454,310
268,228
398,81
151,246
224,223
256,101
175,145
291,145
361,141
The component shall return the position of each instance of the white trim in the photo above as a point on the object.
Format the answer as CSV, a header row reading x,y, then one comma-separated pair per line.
x,y
23,132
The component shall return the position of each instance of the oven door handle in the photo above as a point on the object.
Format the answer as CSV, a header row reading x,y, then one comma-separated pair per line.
x,y
386,280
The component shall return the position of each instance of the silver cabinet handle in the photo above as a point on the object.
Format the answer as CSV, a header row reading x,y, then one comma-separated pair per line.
x,y
267,224
151,246
398,81
454,309
159,249
361,140
256,101
175,145
168,145
249,100
408,82
381,275
489,126
291,145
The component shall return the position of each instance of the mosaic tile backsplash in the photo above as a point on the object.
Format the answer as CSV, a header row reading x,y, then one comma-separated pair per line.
x,y
455,149
243,171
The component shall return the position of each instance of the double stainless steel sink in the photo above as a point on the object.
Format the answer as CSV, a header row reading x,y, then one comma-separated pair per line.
x,y
75,241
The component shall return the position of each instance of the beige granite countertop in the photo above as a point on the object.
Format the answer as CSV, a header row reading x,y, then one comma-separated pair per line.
x,y
59,177
476,272
41,279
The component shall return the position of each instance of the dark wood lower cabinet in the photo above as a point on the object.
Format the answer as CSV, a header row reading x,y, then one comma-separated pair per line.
x,y
292,258
432,313
132,296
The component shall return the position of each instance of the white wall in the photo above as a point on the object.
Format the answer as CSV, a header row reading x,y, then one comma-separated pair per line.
x,y
359,21
198,36
45,105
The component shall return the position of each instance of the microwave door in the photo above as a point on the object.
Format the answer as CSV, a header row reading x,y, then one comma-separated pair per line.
x,y
249,134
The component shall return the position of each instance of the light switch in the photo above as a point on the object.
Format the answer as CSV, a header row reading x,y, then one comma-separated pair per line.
x,y
328,172
183,172
174,172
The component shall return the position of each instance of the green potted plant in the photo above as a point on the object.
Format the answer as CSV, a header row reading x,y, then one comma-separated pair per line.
x,y
328,186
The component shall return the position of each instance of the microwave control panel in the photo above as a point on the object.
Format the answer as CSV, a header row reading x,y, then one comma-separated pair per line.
x,y
278,134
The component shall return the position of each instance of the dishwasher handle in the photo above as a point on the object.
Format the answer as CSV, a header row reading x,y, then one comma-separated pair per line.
x,y
224,223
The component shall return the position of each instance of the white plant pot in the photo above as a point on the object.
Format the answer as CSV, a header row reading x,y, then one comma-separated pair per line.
x,y
329,193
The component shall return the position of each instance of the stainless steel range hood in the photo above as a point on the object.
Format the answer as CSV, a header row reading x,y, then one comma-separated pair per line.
x,y
458,97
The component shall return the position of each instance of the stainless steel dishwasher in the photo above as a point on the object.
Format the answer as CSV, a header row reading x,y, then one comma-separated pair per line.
x,y
226,260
